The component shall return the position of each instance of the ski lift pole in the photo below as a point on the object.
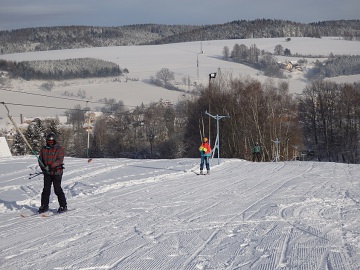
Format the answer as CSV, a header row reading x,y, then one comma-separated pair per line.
x,y
276,159
22,135
217,141
88,141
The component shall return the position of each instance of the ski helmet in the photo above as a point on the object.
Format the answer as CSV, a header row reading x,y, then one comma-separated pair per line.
x,y
51,137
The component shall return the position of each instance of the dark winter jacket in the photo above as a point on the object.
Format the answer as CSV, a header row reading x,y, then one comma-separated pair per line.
x,y
52,156
256,149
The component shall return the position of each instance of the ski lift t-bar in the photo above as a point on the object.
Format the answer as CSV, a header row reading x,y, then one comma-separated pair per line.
x,y
22,135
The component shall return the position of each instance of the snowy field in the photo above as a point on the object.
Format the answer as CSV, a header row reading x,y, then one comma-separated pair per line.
x,y
158,214
145,61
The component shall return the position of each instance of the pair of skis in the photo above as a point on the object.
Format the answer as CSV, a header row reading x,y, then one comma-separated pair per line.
x,y
33,215
48,213
202,173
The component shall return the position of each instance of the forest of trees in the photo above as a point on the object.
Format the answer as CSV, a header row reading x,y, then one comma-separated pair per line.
x,y
330,118
255,58
61,69
335,65
69,37
340,65
323,124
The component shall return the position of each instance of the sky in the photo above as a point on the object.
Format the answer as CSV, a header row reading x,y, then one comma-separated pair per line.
x,y
158,214
16,14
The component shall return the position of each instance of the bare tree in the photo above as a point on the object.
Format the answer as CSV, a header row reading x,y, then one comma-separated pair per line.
x,y
279,50
226,52
165,75
330,119
101,136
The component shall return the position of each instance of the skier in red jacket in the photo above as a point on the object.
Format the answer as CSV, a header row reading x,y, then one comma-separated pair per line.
x,y
205,152
52,161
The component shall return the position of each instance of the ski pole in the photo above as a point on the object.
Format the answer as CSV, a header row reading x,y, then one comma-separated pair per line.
x,y
32,175
22,135
35,173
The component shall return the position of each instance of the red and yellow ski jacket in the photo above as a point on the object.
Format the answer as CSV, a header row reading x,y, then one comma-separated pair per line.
x,y
52,156
205,149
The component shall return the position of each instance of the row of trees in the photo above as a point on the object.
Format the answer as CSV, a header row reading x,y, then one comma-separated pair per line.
x,y
257,113
68,37
330,118
255,58
62,69
324,120
342,65
335,65
267,28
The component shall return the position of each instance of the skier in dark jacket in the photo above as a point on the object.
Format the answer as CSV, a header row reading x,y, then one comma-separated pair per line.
x,y
52,158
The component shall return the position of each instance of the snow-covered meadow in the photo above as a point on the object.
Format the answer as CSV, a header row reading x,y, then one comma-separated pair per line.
x,y
158,214
184,59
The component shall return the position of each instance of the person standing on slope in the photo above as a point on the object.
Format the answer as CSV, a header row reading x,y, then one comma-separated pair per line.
x,y
256,152
205,151
52,158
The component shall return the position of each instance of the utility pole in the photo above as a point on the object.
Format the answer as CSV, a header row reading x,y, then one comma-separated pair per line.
x,y
217,141
197,60
211,76
197,66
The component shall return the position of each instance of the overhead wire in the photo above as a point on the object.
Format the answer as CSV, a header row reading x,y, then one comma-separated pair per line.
x,y
61,108
43,95
41,106
64,98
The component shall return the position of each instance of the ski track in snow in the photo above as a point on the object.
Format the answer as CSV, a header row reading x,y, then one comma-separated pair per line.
x,y
157,214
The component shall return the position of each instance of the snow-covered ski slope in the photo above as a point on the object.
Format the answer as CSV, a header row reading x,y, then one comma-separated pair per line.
x,y
158,214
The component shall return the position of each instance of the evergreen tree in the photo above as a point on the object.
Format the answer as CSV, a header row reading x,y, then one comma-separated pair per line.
x,y
54,126
18,148
35,134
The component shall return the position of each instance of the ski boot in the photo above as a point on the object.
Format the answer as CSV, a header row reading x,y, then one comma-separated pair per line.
x,y
62,209
43,209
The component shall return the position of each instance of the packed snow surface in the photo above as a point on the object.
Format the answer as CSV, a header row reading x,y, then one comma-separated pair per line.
x,y
158,214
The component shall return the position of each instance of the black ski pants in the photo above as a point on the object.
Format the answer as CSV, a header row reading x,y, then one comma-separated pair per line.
x,y
45,195
256,157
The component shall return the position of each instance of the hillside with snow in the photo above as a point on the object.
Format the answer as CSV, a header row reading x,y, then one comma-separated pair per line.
x,y
158,214
191,60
